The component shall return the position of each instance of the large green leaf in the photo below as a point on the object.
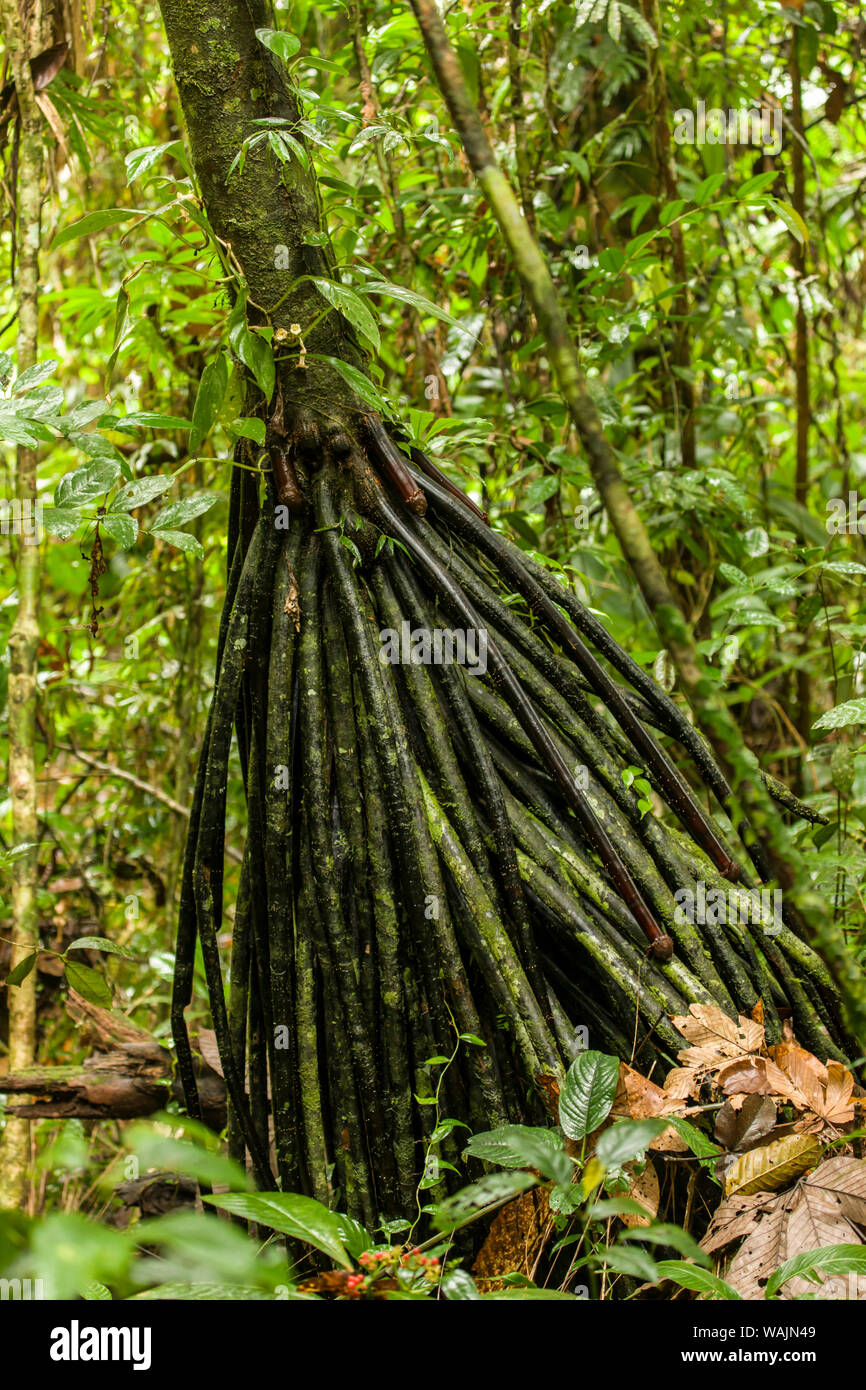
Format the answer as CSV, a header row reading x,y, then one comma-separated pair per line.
x,y
424,306
177,513
193,1160
93,479
831,1259
88,983
252,349
101,943
695,1277
211,1292
496,1187
351,306
587,1093
93,222
627,1139
841,716
34,376
208,402
139,492
294,1215
182,540
121,528
360,384
284,45
522,1146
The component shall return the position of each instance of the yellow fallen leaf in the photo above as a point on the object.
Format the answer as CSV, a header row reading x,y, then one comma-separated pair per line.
x,y
774,1166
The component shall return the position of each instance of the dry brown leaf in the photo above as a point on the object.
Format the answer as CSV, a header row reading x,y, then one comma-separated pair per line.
x,y
636,1095
824,1208
514,1239
716,1042
774,1166
645,1191
681,1083
745,1076
705,1026
843,1178
815,1222
761,1253
785,1052
736,1217
641,1099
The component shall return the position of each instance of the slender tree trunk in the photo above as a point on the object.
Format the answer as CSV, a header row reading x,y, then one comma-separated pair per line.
x,y
683,386
24,637
803,717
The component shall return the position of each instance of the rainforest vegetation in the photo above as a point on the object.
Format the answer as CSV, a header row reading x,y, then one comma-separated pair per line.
x,y
432,542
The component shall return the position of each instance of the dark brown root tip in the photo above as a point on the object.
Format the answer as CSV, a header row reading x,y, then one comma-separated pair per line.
x,y
339,444
662,948
731,871
416,502
308,440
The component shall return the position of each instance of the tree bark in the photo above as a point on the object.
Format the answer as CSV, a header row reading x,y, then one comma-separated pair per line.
x,y
24,637
265,213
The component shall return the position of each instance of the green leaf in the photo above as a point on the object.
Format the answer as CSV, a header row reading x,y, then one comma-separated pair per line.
x,y
495,1187
418,301
208,402
694,1277
121,528
790,216
660,1233
182,540
360,384
19,973
152,420
249,427
62,522
176,513
252,349
139,492
620,1259
352,307
142,160
459,1286
284,45
292,1214
587,1093
193,1160
533,1294
14,429
95,1293
522,1146
852,712
34,376
90,984
93,222
832,1259
354,1236
96,446
101,943
625,1140
210,1292
85,484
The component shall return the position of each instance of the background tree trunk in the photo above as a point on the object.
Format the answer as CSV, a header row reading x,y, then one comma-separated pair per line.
x,y
24,637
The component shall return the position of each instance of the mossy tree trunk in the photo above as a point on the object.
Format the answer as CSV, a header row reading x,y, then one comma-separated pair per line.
x,y
24,637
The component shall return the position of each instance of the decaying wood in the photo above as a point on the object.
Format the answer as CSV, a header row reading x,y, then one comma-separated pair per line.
x,y
129,1075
